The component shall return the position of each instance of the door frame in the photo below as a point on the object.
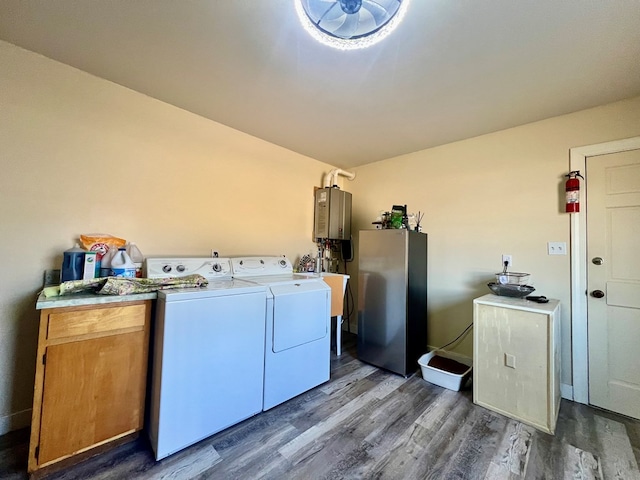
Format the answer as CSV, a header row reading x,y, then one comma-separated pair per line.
x,y
578,242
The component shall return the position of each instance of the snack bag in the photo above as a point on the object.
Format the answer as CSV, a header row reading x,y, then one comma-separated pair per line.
x,y
101,243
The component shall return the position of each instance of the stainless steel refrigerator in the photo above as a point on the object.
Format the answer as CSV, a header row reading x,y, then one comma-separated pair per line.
x,y
392,298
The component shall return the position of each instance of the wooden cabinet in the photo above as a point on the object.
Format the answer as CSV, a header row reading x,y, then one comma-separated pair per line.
x,y
90,378
516,359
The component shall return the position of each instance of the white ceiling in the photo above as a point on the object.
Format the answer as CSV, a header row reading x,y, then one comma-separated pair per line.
x,y
453,69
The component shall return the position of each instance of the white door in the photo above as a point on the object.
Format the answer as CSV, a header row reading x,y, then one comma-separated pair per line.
x,y
613,281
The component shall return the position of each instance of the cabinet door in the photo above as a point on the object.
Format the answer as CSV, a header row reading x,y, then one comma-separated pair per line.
x,y
511,363
93,392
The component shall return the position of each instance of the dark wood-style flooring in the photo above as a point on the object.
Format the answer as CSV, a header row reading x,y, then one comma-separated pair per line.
x,y
367,423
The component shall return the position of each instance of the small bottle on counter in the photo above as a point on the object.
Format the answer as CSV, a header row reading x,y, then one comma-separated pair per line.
x,y
136,257
105,264
319,261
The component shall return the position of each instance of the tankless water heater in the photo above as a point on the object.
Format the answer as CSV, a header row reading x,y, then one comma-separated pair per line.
x,y
332,214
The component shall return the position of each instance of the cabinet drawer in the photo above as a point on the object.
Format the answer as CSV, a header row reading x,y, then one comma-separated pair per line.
x,y
96,320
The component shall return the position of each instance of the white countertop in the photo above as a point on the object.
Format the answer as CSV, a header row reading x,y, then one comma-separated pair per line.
x,y
519,303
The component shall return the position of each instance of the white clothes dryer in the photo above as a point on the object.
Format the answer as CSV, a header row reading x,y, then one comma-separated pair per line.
x,y
208,353
298,327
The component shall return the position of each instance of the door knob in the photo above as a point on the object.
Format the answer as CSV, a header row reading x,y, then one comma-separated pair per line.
x,y
597,294
597,261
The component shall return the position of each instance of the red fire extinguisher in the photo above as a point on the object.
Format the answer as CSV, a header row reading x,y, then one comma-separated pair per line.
x,y
572,191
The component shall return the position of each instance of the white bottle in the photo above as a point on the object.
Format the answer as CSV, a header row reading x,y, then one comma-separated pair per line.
x,y
319,262
136,257
121,264
105,263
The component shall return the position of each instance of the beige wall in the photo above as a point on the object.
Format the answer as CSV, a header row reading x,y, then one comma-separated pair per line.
x,y
486,196
79,155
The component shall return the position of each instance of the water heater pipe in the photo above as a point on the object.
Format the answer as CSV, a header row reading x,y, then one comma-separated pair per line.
x,y
331,178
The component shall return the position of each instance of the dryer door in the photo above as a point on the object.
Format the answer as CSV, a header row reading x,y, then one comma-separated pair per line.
x,y
301,314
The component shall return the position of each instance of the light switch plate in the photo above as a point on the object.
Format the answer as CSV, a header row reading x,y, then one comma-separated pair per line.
x,y
557,248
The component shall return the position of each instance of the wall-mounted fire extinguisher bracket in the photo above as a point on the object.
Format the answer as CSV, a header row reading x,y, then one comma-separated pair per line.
x,y
572,192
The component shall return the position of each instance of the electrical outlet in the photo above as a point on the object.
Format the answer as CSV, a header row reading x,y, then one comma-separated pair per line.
x,y
507,258
214,253
557,248
51,277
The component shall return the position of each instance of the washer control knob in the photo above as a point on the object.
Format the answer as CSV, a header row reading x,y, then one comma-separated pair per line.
x,y
166,268
217,267
283,263
180,268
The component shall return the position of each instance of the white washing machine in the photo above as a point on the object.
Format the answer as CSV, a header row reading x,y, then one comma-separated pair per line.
x,y
298,331
208,353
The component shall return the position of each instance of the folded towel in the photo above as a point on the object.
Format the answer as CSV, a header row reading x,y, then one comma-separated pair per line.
x,y
53,291
129,286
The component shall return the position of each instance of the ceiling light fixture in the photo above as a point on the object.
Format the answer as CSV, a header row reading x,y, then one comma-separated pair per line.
x,y
350,24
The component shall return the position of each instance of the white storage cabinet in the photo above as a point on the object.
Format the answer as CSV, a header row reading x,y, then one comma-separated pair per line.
x,y
516,359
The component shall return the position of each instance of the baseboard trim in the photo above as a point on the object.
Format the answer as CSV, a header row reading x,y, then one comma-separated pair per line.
x,y
566,391
15,421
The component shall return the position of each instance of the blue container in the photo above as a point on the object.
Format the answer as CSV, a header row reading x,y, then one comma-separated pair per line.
x,y
73,264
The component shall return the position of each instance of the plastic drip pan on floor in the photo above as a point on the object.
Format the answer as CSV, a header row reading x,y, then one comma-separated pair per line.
x,y
448,371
